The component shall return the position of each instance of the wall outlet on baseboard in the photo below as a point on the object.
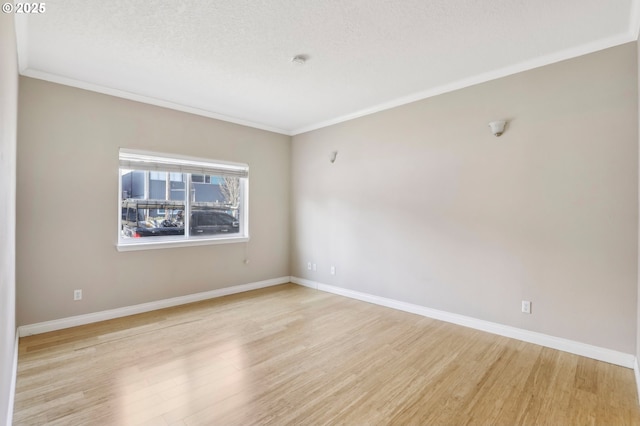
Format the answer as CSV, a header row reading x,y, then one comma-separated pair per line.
x,y
526,306
315,268
77,294
333,270
309,266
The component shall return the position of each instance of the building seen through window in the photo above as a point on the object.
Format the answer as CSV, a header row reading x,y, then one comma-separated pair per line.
x,y
161,205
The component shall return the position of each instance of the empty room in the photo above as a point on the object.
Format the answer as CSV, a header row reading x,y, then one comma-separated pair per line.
x,y
330,212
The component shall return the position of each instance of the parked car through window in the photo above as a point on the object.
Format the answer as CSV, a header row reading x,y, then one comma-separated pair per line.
x,y
190,200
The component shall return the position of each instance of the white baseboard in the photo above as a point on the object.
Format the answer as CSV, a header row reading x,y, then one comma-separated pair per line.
x,y
305,283
636,370
578,348
59,324
12,386
566,345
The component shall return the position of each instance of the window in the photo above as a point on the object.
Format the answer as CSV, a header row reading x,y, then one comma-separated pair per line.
x,y
168,201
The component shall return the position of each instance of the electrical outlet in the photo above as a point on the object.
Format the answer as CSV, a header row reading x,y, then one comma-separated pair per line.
x,y
526,307
77,294
315,268
333,270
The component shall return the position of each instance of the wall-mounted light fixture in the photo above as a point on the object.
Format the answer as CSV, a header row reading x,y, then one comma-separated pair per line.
x,y
497,127
299,59
334,154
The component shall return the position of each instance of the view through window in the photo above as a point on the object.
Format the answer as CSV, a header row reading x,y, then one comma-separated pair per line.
x,y
165,199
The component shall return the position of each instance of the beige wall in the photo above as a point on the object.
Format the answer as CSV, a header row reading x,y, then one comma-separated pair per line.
x,y
424,205
68,141
8,122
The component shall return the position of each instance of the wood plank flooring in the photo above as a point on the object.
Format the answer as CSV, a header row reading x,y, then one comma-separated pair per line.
x,y
293,355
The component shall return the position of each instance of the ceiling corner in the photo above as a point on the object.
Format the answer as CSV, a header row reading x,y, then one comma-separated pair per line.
x,y
22,43
634,20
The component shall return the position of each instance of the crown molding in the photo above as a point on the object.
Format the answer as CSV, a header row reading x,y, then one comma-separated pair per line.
x,y
53,78
634,20
480,78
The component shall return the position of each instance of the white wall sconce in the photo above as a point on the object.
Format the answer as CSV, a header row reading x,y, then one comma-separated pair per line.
x,y
497,127
299,59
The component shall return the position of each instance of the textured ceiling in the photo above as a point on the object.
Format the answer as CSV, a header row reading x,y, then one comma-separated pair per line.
x,y
231,59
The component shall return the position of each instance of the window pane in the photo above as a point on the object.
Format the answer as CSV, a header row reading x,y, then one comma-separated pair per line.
x,y
132,184
154,203
157,175
215,206
150,208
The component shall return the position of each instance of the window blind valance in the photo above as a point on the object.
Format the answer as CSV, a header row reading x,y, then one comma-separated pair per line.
x,y
140,160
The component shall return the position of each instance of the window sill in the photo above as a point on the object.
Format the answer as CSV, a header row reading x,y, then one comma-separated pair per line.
x,y
154,245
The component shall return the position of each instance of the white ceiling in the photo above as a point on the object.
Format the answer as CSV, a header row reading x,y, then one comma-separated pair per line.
x,y
231,59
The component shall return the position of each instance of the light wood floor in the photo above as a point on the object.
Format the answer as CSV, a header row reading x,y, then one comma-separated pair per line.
x,y
292,355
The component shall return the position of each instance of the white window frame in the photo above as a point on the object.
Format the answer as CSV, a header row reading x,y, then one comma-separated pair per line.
x,y
130,159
